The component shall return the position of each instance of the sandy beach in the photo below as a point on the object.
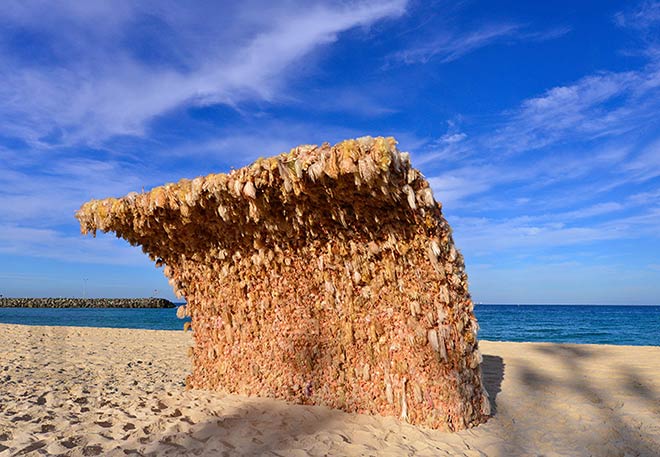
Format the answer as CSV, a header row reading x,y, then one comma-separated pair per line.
x,y
88,391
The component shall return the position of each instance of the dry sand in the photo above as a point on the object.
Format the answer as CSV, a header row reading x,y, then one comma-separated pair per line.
x,y
89,391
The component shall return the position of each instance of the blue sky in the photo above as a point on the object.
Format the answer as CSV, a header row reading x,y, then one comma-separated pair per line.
x,y
536,123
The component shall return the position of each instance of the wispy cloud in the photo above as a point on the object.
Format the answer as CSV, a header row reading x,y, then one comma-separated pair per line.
x,y
79,79
475,178
446,46
357,101
51,196
595,124
549,34
455,186
598,209
646,165
55,244
451,146
595,106
92,85
643,19
241,145
486,236
643,16
643,198
599,105
490,236
571,167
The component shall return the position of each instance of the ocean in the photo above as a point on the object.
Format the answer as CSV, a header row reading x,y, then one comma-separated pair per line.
x,y
584,324
591,324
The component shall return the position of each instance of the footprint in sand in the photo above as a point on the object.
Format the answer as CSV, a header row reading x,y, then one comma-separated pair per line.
x,y
32,447
92,450
47,428
72,442
159,407
23,418
104,424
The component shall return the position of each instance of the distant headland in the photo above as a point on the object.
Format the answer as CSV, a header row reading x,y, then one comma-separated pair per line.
x,y
85,303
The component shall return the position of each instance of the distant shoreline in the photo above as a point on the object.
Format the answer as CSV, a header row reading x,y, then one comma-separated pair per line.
x,y
85,303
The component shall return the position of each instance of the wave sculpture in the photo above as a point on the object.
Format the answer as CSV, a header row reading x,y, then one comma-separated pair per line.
x,y
326,275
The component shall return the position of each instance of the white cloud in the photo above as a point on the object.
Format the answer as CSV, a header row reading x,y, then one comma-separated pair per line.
x,y
450,189
50,196
458,188
544,35
99,87
447,47
643,198
486,236
591,127
450,147
601,105
646,15
454,187
597,209
240,146
646,165
480,236
55,244
452,138
88,72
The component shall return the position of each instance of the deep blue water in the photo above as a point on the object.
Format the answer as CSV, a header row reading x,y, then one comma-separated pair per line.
x,y
145,318
590,324
629,325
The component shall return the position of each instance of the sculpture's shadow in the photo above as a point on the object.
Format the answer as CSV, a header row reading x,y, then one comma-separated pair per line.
x,y
258,427
492,374
267,426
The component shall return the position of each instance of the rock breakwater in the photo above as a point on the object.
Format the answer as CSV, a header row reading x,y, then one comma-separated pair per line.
x,y
85,303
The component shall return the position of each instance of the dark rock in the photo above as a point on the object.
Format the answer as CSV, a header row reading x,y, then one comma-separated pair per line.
x,y
85,303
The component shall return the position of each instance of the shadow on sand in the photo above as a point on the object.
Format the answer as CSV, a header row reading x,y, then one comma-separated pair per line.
x,y
265,427
631,436
255,428
492,372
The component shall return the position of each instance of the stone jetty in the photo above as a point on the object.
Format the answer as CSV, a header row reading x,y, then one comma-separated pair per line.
x,y
85,303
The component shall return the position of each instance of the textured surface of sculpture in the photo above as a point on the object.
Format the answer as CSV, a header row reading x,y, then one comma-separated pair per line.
x,y
326,275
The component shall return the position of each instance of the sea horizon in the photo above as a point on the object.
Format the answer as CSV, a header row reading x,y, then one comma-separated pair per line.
x,y
484,303
634,325
564,304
